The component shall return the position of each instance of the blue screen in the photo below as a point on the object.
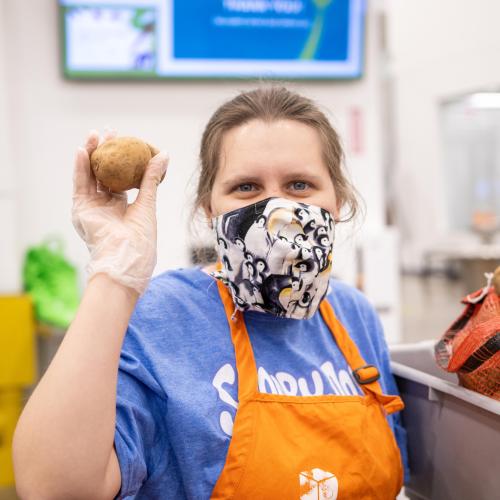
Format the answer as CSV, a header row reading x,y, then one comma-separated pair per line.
x,y
213,38
211,30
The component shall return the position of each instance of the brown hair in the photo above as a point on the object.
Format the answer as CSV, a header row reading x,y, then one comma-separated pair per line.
x,y
270,104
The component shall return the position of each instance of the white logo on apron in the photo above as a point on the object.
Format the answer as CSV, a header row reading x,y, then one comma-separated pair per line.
x,y
340,381
317,484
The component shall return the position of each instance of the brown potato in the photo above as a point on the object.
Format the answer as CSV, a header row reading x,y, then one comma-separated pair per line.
x,y
119,163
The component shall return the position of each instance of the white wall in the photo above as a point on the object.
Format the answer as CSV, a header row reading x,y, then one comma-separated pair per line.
x,y
10,280
439,49
50,116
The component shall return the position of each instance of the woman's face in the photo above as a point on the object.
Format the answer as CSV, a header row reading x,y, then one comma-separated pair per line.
x,y
281,159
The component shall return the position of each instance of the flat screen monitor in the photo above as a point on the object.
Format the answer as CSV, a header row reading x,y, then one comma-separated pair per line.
x,y
313,39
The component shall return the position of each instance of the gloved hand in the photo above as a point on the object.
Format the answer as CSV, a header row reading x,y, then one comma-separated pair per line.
x,y
121,238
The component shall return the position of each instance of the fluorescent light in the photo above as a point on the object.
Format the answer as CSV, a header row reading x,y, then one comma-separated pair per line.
x,y
484,100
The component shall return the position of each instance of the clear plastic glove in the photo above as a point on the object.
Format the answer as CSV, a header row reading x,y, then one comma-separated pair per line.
x,y
121,237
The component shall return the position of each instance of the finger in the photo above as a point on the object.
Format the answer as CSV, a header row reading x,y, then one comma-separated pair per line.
x,y
101,188
109,133
91,145
155,171
92,141
83,178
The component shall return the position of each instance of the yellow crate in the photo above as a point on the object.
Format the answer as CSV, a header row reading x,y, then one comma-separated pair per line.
x,y
10,409
17,341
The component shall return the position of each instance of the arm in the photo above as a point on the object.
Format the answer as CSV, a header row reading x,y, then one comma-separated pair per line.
x,y
63,444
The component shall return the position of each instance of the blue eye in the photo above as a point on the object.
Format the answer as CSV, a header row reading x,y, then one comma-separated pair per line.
x,y
245,188
300,185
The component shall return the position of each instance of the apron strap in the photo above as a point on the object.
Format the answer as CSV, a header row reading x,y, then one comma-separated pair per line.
x,y
245,361
366,375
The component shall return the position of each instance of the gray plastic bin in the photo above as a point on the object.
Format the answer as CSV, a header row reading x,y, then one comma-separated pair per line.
x,y
453,433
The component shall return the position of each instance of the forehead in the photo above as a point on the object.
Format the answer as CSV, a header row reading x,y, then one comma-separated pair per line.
x,y
281,144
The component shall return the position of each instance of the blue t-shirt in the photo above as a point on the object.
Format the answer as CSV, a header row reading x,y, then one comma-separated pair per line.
x,y
178,385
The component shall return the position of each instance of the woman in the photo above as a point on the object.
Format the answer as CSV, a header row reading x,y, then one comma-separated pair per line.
x,y
214,384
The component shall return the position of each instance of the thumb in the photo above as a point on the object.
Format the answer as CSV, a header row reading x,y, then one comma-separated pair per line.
x,y
153,175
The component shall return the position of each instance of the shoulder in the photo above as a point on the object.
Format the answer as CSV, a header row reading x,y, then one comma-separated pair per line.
x,y
349,300
171,322
177,281
178,305
357,314
175,291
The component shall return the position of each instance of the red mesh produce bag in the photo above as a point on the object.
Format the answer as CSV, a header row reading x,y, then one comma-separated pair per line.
x,y
471,346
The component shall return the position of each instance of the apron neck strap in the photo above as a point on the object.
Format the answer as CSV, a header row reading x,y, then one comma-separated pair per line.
x,y
245,361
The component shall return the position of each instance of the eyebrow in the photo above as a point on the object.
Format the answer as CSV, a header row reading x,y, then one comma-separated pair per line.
x,y
240,179
301,175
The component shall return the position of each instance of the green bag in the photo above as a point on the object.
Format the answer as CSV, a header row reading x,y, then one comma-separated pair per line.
x,y
52,283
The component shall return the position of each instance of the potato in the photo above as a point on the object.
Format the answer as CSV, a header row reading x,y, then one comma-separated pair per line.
x,y
119,163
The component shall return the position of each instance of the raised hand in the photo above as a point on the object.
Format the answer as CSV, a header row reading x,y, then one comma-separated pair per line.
x,y
121,237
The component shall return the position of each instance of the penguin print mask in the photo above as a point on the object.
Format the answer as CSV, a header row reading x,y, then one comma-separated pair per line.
x,y
276,256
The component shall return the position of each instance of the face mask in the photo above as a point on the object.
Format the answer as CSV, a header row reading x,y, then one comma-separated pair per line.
x,y
276,256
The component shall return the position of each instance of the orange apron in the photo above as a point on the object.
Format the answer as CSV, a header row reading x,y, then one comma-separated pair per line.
x,y
309,447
